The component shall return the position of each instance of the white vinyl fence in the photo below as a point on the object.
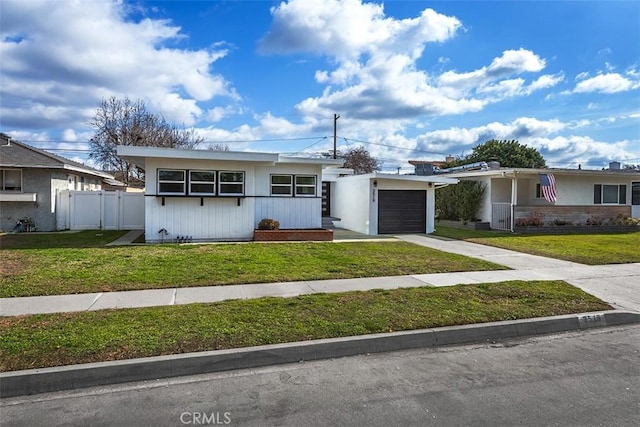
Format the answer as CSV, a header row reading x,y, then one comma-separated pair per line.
x,y
99,210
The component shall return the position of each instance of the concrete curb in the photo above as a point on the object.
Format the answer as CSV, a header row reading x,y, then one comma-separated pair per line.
x,y
44,380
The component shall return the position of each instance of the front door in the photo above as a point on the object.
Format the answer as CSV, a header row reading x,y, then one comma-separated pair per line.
x,y
635,199
326,198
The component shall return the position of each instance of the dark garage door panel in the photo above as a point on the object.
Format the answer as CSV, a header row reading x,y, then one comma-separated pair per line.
x,y
402,211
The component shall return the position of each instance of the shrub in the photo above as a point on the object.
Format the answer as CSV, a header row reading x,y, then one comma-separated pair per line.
x,y
460,202
268,224
624,220
593,221
536,220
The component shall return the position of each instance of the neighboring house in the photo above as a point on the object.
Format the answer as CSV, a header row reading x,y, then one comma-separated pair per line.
x,y
222,195
381,203
581,195
30,178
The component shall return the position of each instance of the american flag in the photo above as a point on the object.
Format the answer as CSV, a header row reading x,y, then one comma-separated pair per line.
x,y
548,187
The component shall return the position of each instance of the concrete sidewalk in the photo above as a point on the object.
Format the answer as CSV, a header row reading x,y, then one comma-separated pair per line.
x,y
618,284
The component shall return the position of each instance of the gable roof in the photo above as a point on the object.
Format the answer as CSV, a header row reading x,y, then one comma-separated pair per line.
x,y
17,154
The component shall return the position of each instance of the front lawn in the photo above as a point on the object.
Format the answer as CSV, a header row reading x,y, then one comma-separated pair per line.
x,y
57,269
591,249
62,339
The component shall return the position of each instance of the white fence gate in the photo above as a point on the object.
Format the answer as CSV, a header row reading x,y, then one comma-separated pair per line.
x,y
99,210
501,216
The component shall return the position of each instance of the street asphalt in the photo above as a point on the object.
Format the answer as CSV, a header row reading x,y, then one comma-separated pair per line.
x,y
617,284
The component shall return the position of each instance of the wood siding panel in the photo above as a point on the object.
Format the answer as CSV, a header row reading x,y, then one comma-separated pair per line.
x,y
217,219
291,212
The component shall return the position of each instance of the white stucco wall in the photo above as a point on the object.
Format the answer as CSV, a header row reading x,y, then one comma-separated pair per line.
x,y
351,203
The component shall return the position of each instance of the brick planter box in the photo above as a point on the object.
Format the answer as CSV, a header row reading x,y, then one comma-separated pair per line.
x,y
317,234
573,229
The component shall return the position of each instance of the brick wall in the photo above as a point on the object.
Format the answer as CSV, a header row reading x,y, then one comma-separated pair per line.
x,y
573,214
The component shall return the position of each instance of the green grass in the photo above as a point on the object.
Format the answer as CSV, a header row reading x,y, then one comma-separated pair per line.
x,y
59,270
61,339
80,239
591,249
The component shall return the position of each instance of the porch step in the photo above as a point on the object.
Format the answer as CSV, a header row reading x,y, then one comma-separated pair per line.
x,y
327,221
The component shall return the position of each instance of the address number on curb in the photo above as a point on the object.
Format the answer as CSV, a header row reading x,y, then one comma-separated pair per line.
x,y
592,320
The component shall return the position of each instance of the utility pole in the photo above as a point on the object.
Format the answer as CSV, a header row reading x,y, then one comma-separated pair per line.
x,y
335,130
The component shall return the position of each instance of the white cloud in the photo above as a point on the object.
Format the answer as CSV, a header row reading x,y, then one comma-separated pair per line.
x,y
582,76
67,55
606,83
461,139
347,29
375,56
69,135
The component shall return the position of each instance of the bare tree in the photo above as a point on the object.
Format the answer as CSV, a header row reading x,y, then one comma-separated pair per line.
x,y
218,147
126,122
360,161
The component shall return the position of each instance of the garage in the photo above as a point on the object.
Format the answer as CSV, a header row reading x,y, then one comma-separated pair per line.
x,y
402,211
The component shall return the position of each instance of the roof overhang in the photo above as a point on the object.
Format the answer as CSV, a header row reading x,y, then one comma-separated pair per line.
x,y
438,181
66,167
522,172
138,155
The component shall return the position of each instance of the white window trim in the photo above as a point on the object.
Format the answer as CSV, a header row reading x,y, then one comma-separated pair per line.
x,y
290,185
314,185
183,182
220,184
617,203
214,182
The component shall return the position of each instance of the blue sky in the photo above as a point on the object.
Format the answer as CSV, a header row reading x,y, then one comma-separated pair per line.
x,y
409,79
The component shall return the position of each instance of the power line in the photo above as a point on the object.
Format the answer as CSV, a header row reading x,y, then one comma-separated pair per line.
x,y
311,145
397,147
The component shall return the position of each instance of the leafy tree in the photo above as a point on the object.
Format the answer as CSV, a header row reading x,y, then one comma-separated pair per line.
x,y
360,161
510,154
126,122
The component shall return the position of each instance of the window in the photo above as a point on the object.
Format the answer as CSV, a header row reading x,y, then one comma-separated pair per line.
x,y
10,180
538,192
231,184
202,183
635,194
282,185
171,181
305,185
608,194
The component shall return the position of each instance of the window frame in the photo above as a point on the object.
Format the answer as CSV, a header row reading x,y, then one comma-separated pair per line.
x,y
221,183
290,185
4,181
314,186
214,183
172,193
599,194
